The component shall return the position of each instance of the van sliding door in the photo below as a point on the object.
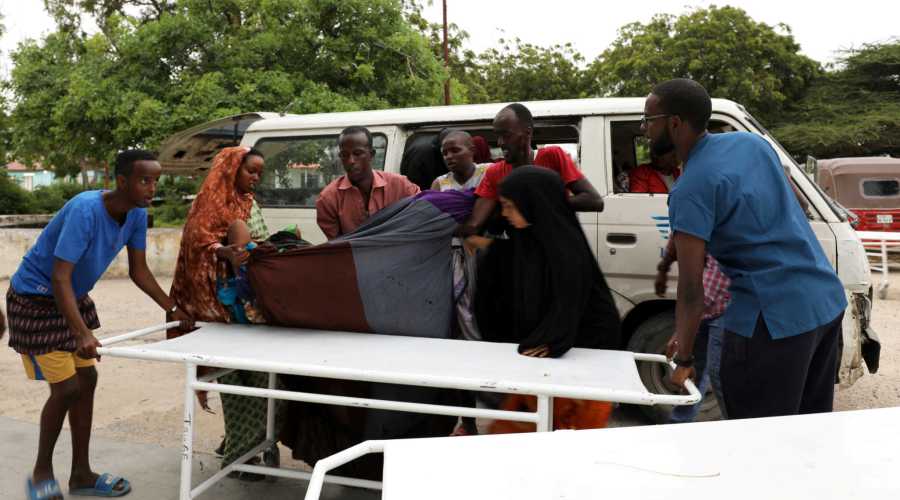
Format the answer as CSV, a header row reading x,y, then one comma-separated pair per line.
x,y
633,228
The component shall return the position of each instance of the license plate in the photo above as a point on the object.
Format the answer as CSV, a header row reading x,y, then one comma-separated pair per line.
x,y
885,218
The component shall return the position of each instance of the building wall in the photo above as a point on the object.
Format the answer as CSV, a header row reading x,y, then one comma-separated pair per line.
x,y
162,252
32,180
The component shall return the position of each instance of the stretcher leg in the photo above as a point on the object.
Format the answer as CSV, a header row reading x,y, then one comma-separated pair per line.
x,y
187,432
270,410
545,414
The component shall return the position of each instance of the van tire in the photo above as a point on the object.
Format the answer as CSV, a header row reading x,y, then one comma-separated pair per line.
x,y
651,337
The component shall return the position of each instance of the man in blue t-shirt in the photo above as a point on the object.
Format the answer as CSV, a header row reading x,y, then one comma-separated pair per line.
x,y
733,200
51,315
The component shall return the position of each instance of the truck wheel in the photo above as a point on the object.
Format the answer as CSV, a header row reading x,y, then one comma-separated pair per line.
x,y
651,337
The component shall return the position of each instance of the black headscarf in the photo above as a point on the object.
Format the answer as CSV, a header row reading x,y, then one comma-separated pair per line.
x,y
423,161
543,286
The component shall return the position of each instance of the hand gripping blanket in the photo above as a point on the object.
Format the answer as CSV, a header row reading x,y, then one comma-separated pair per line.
x,y
390,276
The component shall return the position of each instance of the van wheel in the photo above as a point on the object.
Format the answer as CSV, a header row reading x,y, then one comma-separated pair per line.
x,y
651,337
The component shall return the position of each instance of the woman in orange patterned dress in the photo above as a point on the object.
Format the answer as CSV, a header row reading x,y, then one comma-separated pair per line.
x,y
226,196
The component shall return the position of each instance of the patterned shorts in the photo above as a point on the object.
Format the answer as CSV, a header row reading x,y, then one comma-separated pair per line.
x,y
36,325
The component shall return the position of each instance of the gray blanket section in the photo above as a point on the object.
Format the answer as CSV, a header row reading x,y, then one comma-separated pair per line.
x,y
402,257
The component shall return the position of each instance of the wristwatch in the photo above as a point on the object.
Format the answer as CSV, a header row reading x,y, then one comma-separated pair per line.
x,y
684,363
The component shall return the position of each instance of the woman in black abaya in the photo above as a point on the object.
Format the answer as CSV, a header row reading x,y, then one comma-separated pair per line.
x,y
542,288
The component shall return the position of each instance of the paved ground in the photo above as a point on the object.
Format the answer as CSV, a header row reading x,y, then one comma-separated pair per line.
x,y
138,409
153,470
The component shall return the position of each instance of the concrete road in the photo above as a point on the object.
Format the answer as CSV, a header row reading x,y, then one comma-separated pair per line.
x,y
153,470
138,410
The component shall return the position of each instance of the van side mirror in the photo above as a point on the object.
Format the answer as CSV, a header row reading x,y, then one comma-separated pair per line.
x,y
812,168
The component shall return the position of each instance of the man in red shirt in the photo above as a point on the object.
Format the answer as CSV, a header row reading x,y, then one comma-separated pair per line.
x,y
658,176
514,127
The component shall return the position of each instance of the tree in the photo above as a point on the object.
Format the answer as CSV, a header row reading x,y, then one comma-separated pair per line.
x,y
158,66
520,71
5,136
516,71
465,72
14,199
724,49
854,110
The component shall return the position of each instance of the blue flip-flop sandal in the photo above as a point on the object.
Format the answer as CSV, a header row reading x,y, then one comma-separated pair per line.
x,y
45,490
104,487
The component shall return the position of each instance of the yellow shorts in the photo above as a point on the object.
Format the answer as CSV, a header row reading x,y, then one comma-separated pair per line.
x,y
54,367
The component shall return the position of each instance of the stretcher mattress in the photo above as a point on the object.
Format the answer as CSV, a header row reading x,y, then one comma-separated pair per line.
x,y
581,373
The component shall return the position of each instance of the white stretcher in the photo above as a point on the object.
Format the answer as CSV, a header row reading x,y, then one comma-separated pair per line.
x,y
825,456
451,364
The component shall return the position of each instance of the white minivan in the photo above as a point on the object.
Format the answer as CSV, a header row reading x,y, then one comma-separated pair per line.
x,y
603,135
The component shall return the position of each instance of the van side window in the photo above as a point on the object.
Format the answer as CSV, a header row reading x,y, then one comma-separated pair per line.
x,y
632,164
562,132
298,168
630,149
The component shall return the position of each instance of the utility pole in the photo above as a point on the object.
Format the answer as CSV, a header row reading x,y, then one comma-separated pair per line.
x,y
446,60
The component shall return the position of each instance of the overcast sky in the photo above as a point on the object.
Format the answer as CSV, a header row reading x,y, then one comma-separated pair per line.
x,y
822,28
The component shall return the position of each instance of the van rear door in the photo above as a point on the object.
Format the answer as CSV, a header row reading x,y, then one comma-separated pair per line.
x,y
191,151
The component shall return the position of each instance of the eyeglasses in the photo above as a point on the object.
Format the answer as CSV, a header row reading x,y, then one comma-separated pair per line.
x,y
647,119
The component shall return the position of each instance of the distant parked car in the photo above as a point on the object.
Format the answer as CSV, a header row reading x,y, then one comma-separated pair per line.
x,y
868,186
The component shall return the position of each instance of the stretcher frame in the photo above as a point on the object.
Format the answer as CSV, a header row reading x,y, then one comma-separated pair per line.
x,y
542,418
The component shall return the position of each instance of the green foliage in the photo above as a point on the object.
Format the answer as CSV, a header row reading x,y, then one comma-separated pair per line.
x,y
163,66
14,199
520,71
466,79
5,134
170,213
160,66
49,199
724,49
853,111
43,200
515,71
175,205
177,187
